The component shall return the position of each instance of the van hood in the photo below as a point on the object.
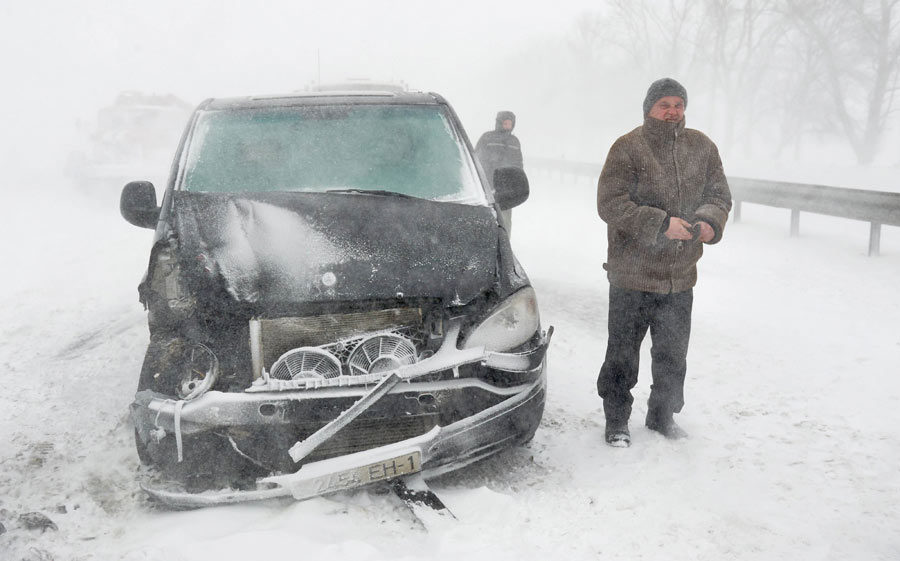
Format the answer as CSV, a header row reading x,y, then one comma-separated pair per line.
x,y
276,250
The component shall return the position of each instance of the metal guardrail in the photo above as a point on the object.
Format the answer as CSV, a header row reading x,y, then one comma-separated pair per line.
x,y
874,207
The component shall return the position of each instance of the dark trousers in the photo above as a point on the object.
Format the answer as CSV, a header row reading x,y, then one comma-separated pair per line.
x,y
631,313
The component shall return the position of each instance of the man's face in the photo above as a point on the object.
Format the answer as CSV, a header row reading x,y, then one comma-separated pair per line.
x,y
506,124
669,108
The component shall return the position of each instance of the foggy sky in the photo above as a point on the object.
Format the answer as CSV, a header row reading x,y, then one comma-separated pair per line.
x,y
68,59
65,60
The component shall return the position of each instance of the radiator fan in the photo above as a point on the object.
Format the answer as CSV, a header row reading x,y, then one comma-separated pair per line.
x,y
306,362
381,353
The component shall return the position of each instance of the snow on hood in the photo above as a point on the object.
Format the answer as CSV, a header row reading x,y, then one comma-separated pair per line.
x,y
278,249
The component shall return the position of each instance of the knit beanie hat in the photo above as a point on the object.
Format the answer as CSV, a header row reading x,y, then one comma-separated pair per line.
x,y
662,88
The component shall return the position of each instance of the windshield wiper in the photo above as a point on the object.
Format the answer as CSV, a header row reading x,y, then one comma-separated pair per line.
x,y
379,192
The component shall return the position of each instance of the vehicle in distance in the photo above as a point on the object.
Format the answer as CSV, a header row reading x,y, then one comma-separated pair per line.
x,y
135,134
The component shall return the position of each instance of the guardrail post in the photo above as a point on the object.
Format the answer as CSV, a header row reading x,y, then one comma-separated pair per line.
x,y
874,239
737,211
795,222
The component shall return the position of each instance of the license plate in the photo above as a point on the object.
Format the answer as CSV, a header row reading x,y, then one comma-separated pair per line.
x,y
371,473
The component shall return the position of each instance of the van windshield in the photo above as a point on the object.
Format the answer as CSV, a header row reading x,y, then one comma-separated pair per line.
x,y
410,150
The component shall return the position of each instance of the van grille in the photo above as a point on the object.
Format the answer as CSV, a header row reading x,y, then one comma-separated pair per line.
x,y
280,335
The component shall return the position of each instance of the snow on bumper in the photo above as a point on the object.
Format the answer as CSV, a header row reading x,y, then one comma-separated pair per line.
x,y
442,449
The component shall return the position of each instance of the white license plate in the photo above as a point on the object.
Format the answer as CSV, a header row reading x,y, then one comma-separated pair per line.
x,y
377,471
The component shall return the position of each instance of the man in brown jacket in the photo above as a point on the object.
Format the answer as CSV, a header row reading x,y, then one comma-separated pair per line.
x,y
663,194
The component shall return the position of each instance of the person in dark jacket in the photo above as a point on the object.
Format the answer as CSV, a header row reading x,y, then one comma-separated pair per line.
x,y
500,148
663,194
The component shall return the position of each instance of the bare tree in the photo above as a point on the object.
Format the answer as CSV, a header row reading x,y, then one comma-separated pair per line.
x,y
652,34
720,43
803,66
795,103
859,49
735,42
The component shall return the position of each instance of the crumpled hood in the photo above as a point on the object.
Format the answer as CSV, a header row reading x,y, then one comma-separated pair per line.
x,y
272,250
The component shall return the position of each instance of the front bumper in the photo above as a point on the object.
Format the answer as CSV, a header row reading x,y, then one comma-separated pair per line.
x,y
511,418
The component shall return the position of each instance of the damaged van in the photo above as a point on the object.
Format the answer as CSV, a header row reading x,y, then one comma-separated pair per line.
x,y
332,301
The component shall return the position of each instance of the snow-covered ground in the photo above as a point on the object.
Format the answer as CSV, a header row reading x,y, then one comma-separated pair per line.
x,y
792,399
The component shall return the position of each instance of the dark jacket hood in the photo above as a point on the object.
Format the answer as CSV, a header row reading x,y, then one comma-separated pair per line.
x,y
272,251
502,116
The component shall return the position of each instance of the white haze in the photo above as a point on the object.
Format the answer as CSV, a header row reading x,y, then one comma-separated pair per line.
x,y
65,60
793,386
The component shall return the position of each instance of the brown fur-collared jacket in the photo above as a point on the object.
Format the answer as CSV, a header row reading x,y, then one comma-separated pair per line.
x,y
659,170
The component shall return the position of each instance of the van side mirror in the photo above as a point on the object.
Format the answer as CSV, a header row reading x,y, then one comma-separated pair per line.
x,y
510,187
138,204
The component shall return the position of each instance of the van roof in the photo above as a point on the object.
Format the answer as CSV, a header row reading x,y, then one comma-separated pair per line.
x,y
325,98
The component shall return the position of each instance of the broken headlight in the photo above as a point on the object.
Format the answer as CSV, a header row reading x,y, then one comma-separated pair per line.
x,y
509,325
168,286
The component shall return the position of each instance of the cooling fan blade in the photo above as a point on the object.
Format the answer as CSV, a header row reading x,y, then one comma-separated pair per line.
x,y
306,362
381,353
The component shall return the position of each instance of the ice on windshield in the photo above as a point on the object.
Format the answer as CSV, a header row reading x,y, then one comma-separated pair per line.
x,y
411,150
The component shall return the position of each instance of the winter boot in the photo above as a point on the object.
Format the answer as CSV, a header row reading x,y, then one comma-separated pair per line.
x,y
663,423
617,435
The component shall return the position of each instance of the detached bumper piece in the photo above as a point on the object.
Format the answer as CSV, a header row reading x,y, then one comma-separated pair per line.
x,y
508,416
440,450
